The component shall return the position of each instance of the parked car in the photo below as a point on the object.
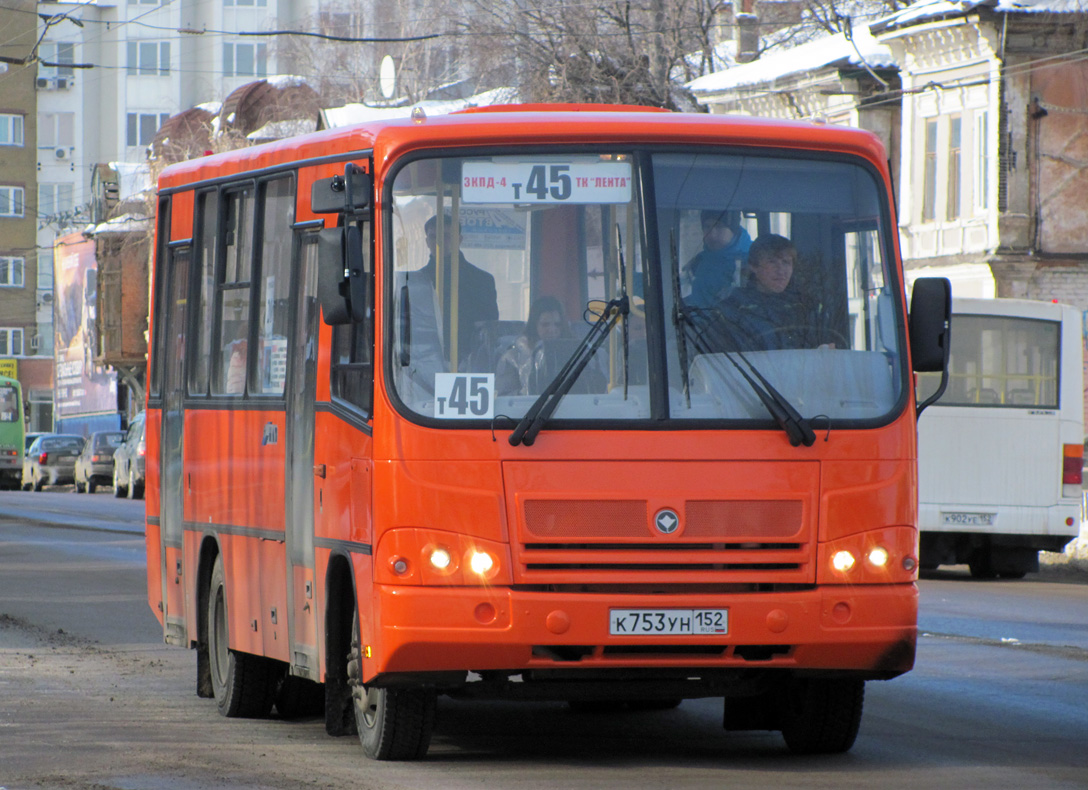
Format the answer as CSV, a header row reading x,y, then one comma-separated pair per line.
x,y
51,460
94,466
128,461
30,437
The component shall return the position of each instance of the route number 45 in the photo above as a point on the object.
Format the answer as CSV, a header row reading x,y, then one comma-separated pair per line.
x,y
461,396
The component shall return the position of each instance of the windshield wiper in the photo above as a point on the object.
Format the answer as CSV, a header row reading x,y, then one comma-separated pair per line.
x,y
679,317
797,428
529,426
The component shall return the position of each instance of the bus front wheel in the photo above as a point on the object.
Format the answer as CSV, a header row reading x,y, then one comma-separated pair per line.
x,y
393,723
821,715
244,685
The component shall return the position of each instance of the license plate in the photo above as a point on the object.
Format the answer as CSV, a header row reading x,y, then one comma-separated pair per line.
x,y
667,622
968,519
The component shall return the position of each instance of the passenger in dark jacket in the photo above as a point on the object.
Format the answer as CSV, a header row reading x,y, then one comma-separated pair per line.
x,y
714,269
765,313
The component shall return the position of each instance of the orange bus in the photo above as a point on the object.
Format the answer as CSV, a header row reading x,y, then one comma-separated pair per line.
x,y
590,404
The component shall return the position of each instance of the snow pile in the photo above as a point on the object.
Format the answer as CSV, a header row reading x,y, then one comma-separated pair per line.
x,y
1075,554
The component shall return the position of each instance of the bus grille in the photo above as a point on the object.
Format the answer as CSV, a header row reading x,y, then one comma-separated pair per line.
x,y
602,541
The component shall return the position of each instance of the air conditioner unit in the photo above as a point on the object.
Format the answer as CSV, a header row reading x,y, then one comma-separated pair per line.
x,y
43,82
47,297
63,83
61,153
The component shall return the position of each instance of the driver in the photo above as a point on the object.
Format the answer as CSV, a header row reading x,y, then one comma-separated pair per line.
x,y
766,313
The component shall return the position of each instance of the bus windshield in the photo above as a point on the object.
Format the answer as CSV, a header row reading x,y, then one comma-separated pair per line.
x,y
736,274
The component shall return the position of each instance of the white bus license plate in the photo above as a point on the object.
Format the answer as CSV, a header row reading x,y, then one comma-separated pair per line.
x,y
667,622
968,519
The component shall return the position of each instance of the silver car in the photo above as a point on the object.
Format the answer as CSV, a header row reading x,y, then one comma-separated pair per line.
x,y
51,460
128,461
94,467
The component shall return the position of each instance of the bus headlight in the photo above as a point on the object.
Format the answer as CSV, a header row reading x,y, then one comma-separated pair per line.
x,y
842,561
481,562
440,558
878,557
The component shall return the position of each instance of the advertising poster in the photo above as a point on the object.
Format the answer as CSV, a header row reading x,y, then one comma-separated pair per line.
x,y
82,388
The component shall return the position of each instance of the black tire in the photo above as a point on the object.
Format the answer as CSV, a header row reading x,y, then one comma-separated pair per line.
x,y
132,492
38,484
981,565
393,724
244,685
79,487
822,715
91,486
118,489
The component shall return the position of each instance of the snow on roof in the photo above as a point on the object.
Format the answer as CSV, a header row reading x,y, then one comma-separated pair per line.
x,y
126,223
212,107
351,114
285,81
278,130
936,9
834,50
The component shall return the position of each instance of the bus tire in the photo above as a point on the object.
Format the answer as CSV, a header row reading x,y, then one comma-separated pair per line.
x,y
393,723
822,715
244,685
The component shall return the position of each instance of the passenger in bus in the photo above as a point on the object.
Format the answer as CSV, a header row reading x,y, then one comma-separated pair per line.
x,y
713,271
477,300
547,321
766,313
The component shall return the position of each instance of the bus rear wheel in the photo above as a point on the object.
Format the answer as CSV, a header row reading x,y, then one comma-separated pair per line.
x,y
393,724
822,715
244,685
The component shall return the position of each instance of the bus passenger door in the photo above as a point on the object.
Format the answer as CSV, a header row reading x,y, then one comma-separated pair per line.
x,y
301,393
171,506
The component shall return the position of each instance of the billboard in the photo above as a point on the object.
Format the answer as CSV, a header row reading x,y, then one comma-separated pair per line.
x,y
81,388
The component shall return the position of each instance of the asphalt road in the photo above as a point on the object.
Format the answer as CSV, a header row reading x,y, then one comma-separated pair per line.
x,y
91,698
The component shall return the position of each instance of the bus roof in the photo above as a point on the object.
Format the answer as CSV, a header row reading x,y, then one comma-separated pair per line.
x,y
528,125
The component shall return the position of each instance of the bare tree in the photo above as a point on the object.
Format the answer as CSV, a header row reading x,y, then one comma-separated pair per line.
x,y
614,51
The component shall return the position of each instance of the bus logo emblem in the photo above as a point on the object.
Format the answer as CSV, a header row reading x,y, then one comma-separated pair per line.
x,y
666,521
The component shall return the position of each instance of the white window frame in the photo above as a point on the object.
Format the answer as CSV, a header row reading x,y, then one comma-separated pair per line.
x,y
982,160
11,342
12,201
56,129
148,58
12,271
11,129
230,59
58,52
55,198
135,128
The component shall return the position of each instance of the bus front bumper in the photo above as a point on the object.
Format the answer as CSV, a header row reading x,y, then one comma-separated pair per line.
x,y
866,630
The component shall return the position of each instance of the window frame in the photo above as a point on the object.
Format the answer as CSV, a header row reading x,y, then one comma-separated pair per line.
x,y
15,197
14,126
8,265
8,335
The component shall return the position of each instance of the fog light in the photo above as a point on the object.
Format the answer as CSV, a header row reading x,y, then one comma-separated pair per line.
x,y
400,566
440,559
909,563
878,557
481,562
842,561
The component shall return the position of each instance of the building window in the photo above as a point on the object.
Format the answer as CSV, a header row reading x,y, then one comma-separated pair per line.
x,y
11,271
56,129
148,58
955,125
11,129
11,342
54,199
243,3
45,270
245,60
142,126
929,177
982,160
60,53
11,201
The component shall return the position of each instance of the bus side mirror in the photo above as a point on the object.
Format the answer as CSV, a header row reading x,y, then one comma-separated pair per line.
x,y
342,274
931,330
330,195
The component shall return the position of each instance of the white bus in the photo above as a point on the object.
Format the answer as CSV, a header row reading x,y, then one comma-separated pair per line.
x,y
1000,453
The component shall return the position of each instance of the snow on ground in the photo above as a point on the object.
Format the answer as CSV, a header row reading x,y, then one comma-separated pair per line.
x,y
1075,554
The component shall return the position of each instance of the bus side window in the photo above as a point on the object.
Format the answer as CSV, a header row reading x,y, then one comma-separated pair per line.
x,y
234,294
353,364
205,249
278,198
